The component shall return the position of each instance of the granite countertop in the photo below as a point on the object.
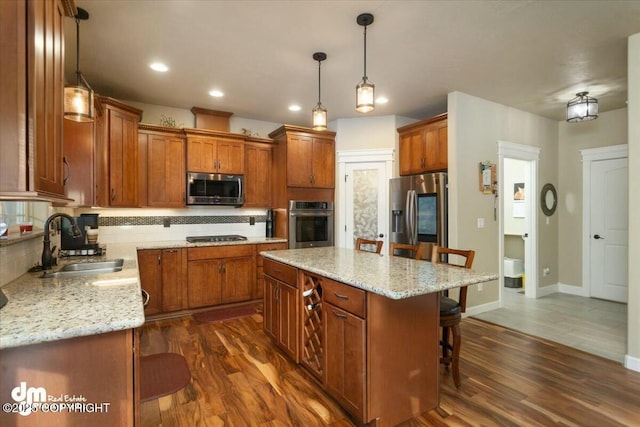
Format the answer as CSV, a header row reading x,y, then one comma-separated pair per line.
x,y
393,277
51,309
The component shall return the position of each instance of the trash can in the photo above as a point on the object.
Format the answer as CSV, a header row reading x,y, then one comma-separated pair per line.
x,y
513,272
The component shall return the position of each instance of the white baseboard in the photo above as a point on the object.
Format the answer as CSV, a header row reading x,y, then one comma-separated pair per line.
x,y
546,290
573,290
632,363
477,309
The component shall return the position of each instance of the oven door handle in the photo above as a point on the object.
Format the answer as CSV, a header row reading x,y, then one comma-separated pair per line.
x,y
310,214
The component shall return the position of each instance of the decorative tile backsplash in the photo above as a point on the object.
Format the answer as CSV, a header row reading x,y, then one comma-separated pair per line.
x,y
112,221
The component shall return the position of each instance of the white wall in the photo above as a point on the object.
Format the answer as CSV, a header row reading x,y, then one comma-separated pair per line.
x,y
475,126
632,360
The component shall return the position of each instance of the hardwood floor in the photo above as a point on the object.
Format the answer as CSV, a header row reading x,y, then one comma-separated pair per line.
x,y
508,379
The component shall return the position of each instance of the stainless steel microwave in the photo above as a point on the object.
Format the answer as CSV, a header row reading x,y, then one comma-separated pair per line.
x,y
215,189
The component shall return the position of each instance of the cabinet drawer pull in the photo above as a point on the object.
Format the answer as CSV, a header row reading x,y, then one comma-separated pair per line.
x,y
145,296
277,270
344,297
340,315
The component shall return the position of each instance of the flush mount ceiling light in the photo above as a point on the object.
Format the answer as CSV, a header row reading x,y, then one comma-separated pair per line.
x,y
159,67
78,98
319,113
582,108
216,93
365,89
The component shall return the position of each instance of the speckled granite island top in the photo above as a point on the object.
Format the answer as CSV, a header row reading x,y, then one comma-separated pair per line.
x,y
393,277
52,309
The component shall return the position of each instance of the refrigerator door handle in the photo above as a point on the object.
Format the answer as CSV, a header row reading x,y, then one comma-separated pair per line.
x,y
411,217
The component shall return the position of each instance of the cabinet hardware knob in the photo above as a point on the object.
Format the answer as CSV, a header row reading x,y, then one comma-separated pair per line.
x,y
345,297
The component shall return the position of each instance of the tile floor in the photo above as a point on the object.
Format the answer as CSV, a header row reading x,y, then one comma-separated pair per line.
x,y
592,325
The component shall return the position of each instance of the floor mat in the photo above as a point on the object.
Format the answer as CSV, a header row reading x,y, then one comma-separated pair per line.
x,y
162,374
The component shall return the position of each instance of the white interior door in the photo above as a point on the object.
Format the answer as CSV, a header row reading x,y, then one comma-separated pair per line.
x,y
608,231
366,201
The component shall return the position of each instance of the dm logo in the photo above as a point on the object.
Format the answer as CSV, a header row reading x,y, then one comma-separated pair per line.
x,y
29,395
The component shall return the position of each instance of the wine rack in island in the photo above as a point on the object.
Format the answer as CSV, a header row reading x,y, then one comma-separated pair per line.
x,y
312,323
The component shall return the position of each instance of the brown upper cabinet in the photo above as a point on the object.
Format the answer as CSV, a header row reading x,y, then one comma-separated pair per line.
x,y
116,153
423,146
162,176
310,156
257,177
31,98
213,153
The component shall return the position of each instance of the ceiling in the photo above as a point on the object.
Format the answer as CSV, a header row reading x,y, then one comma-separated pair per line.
x,y
531,55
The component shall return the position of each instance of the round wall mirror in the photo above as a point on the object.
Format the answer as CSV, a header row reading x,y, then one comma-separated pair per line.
x,y
548,199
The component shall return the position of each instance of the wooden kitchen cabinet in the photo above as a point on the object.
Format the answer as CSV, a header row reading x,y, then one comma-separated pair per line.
x,y
162,176
258,290
310,161
281,306
214,154
308,155
220,274
344,352
116,153
79,154
423,146
257,177
31,98
162,275
102,368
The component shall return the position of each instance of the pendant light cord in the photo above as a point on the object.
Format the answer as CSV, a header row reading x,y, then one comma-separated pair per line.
x,y
78,75
319,63
365,53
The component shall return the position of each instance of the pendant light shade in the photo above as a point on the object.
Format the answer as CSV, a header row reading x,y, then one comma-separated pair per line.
x,y
365,96
78,98
319,112
582,108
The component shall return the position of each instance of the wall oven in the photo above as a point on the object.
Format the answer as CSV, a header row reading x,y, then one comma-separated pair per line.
x,y
310,224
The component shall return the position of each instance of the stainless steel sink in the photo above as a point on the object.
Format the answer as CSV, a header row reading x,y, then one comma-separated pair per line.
x,y
81,268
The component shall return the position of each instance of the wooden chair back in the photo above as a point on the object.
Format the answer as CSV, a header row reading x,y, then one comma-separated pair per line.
x,y
468,255
416,249
368,243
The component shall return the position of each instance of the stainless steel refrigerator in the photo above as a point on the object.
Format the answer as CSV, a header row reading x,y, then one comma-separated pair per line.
x,y
418,214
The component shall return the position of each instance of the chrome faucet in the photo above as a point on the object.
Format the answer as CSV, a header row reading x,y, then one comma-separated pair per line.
x,y
47,252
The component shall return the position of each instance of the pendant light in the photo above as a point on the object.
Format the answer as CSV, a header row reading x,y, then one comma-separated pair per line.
x,y
319,113
582,108
78,98
365,89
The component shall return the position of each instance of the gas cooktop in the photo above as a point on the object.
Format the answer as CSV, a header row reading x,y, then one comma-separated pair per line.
x,y
220,238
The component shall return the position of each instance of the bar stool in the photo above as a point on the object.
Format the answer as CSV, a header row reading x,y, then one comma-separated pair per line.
x,y
451,312
416,249
367,245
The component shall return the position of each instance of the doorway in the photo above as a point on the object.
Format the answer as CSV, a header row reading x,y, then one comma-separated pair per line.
x,y
363,195
518,194
605,222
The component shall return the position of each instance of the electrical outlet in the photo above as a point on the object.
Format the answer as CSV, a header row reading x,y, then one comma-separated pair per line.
x,y
252,220
480,287
546,271
166,222
480,222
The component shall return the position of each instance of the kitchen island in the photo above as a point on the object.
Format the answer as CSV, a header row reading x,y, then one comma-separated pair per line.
x,y
364,325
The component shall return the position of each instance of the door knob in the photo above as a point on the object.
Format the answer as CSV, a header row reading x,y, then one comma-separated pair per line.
x,y
597,237
525,235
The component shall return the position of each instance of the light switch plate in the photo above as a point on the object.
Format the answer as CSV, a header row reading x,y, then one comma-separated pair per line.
x,y
480,222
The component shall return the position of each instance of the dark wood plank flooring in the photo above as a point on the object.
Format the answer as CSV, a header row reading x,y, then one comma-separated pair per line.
x,y
508,379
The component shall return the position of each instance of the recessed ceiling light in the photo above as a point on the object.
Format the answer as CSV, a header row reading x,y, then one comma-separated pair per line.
x,y
216,93
159,67
382,100
294,107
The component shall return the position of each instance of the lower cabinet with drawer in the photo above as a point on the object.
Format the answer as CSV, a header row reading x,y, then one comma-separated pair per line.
x,y
258,290
162,275
220,274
